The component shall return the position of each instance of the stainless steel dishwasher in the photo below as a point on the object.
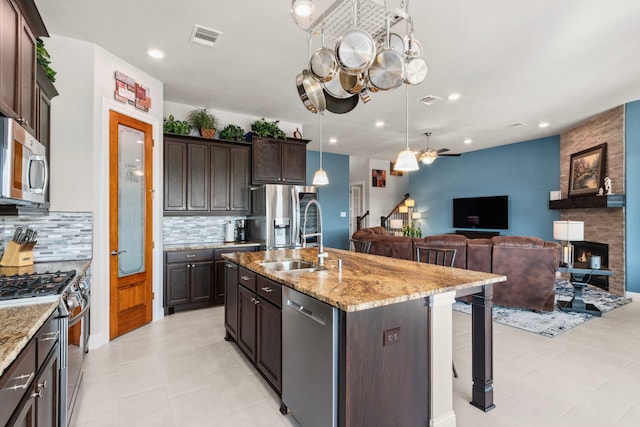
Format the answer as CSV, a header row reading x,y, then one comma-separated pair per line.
x,y
309,359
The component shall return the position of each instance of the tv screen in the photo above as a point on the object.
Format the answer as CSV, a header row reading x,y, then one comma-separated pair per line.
x,y
481,212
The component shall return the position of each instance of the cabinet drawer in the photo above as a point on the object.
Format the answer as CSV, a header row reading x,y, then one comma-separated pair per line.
x,y
270,290
47,337
247,278
188,256
16,380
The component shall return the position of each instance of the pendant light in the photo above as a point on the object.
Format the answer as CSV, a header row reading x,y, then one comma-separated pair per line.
x,y
320,177
302,13
406,161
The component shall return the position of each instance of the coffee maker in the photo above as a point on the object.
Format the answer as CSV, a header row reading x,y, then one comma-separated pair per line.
x,y
243,234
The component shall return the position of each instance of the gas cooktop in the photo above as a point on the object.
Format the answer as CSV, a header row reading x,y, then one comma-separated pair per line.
x,y
34,285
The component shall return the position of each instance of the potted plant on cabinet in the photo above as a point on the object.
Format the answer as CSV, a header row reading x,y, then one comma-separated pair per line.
x,y
171,125
233,133
202,119
264,128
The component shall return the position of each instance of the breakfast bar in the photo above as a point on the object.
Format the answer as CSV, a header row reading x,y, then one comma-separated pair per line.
x,y
393,331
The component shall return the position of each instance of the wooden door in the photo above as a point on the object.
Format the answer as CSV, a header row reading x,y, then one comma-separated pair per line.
x,y
239,193
175,175
130,223
294,162
219,178
269,341
202,281
27,110
267,161
177,286
231,299
9,48
197,177
247,321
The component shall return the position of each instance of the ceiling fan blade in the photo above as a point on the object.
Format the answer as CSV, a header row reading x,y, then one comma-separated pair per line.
x,y
449,155
443,150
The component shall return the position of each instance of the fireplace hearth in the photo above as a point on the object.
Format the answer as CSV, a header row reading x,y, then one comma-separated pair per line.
x,y
583,251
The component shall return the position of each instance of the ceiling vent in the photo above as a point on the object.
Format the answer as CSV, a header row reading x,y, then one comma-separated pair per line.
x,y
205,36
429,99
516,125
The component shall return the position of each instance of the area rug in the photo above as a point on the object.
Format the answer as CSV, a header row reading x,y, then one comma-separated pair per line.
x,y
553,323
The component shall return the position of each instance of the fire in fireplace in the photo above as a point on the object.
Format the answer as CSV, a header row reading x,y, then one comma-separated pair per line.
x,y
583,251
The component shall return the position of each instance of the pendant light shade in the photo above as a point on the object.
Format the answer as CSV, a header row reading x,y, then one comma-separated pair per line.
x,y
302,8
406,161
320,177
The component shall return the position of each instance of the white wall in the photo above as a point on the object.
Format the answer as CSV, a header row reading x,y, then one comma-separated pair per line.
x,y
80,156
379,201
180,112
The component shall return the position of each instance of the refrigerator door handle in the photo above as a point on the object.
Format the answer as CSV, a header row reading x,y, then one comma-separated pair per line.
x,y
295,227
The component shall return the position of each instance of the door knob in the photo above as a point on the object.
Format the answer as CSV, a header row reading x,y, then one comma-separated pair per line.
x,y
116,253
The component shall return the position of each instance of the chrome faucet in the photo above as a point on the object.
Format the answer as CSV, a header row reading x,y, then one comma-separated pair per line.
x,y
321,253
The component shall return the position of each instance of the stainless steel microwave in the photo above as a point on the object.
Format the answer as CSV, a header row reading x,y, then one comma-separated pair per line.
x,y
24,173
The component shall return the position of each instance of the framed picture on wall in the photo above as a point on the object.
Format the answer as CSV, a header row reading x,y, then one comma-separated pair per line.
x,y
586,171
378,178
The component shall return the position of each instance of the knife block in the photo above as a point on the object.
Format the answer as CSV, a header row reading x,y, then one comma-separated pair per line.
x,y
14,257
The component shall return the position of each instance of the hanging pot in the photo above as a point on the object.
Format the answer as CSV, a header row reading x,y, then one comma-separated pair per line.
x,y
415,71
322,64
387,70
310,92
351,83
355,49
335,89
340,105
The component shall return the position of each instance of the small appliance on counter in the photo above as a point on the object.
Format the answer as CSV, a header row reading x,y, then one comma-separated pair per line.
x,y
243,234
19,251
229,232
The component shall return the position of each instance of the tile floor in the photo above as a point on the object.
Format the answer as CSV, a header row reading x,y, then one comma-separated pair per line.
x,y
180,372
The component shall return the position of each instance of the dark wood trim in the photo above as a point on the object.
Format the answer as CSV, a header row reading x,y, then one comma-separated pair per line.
x,y
589,202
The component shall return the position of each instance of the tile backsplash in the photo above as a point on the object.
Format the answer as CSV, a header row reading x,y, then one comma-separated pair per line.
x,y
62,236
195,229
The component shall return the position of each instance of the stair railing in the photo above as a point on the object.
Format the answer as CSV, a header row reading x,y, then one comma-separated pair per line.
x,y
385,221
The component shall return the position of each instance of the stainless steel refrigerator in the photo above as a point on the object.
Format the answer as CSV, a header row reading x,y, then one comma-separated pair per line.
x,y
278,212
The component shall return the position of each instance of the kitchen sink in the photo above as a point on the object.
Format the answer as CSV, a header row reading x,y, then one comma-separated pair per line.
x,y
292,266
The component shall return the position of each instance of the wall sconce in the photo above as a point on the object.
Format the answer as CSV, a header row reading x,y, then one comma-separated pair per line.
x,y
403,209
409,203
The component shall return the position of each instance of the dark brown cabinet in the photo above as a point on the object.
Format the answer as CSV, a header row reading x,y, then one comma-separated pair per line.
x,y
257,326
230,300
20,24
220,271
277,161
189,280
204,177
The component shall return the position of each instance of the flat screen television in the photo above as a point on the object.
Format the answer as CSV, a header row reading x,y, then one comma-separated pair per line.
x,y
481,212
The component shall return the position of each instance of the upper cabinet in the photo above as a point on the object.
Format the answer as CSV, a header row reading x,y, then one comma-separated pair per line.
x,y
277,161
205,177
20,25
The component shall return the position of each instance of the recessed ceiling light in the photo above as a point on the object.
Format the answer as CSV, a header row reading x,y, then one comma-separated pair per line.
x,y
379,123
454,96
332,140
468,141
155,53
543,124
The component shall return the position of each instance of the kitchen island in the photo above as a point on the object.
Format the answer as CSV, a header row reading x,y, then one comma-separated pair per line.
x,y
393,332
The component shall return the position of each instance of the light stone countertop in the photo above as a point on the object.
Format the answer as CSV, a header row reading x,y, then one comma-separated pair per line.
x,y
366,281
20,322
210,245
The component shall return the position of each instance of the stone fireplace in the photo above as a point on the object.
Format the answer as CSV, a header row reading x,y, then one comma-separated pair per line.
x,y
583,252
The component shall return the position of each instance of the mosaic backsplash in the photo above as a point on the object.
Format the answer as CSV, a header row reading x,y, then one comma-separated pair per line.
x,y
195,229
62,236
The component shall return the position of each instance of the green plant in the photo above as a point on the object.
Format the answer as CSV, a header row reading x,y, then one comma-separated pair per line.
x,y
177,127
44,59
233,133
201,118
412,230
264,128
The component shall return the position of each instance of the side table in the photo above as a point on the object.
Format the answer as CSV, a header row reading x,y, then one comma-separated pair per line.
x,y
579,277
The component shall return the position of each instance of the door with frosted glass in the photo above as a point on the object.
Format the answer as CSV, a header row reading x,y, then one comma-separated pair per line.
x,y
130,232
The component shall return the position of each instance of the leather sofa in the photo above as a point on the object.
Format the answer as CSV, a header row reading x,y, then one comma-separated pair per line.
x,y
529,263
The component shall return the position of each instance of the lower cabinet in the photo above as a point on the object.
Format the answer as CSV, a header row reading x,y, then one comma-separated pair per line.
x,y
256,313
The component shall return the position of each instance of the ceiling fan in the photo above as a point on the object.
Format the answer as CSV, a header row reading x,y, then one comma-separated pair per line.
x,y
429,155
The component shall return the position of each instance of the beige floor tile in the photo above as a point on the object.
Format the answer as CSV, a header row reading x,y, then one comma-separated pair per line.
x,y
150,408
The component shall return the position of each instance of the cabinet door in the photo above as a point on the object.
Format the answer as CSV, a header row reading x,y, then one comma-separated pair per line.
x,y
201,281
269,341
266,161
219,178
27,76
25,417
47,386
294,162
219,284
239,193
175,176
247,321
230,298
10,25
177,284
197,177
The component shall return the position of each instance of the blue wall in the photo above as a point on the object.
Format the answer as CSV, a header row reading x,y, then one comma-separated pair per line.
x,y
632,189
526,172
334,197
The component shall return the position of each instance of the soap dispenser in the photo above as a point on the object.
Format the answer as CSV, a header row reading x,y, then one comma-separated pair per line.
x,y
229,232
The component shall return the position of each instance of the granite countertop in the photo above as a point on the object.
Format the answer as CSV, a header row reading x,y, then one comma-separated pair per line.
x,y
366,281
208,245
20,321
18,324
